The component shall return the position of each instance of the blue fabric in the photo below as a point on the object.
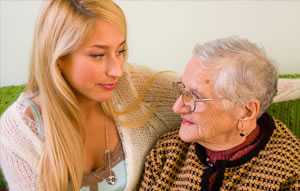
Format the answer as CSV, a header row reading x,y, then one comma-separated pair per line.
x,y
120,172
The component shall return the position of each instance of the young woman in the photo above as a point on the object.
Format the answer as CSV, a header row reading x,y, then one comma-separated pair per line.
x,y
71,128
87,119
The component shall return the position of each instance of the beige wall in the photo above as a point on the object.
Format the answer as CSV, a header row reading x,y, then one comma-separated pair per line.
x,y
162,32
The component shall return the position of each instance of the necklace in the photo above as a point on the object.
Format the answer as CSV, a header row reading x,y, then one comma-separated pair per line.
x,y
111,179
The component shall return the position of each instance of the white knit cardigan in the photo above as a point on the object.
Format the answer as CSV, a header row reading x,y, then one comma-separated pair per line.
x,y
21,148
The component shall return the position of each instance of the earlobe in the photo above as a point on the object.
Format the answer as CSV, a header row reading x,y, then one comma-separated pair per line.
x,y
250,114
241,127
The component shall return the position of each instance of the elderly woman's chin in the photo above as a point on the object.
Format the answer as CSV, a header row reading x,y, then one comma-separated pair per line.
x,y
189,133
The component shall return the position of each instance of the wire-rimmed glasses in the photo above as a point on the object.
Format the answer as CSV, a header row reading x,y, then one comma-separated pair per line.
x,y
188,97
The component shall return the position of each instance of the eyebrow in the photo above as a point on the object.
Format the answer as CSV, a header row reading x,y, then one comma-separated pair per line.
x,y
194,91
199,94
105,46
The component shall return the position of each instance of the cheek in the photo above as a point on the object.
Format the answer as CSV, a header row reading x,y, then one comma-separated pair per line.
x,y
205,116
83,72
215,123
208,122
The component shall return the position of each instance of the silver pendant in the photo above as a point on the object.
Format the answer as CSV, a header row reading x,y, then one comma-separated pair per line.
x,y
111,180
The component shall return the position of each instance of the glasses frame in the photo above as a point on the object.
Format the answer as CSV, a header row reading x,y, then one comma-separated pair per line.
x,y
189,95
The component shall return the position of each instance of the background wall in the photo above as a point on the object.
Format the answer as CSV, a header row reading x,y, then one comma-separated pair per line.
x,y
162,33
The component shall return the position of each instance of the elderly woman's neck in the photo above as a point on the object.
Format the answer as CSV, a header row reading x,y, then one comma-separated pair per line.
x,y
222,145
231,141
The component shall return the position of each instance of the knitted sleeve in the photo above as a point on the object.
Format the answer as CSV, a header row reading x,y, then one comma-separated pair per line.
x,y
293,184
157,90
145,96
153,166
296,184
162,95
20,150
18,173
288,89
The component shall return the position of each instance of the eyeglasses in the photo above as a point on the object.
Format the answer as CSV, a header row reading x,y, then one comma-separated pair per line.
x,y
188,97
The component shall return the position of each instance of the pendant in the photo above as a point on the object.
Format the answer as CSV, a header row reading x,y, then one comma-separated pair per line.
x,y
111,180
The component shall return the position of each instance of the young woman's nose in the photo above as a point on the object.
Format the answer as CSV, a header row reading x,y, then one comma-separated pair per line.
x,y
115,67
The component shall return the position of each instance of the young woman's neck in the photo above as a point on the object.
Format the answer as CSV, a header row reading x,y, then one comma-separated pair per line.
x,y
89,107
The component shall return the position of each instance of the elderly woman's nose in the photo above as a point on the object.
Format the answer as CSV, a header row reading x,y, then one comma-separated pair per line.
x,y
179,107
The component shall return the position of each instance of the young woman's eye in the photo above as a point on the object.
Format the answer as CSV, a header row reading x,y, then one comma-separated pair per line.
x,y
121,52
97,56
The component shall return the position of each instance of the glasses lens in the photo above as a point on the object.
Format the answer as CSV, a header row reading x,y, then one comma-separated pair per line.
x,y
187,97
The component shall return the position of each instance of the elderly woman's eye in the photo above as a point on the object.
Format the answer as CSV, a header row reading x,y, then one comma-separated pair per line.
x,y
195,95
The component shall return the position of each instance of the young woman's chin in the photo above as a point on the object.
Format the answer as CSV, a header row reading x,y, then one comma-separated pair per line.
x,y
103,97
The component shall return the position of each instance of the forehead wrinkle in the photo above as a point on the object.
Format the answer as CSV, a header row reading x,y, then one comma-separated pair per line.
x,y
198,77
204,85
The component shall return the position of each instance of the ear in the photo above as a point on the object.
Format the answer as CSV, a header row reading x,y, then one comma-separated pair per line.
x,y
251,110
62,64
247,122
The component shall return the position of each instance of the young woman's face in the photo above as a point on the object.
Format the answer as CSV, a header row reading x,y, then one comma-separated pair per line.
x,y
94,69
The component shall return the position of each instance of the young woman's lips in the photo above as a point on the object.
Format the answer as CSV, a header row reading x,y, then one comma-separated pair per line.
x,y
186,122
108,86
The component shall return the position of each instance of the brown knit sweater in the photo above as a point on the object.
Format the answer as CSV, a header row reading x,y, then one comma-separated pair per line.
x,y
273,165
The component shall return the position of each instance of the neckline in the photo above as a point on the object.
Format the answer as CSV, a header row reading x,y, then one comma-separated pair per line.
x,y
267,125
238,151
114,154
101,173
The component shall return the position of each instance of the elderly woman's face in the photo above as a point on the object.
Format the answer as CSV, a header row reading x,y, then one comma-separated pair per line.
x,y
210,123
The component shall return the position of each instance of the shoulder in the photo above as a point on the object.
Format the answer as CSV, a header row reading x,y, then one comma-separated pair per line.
x,y
144,95
140,71
9,118
148,81
172,136
283,134
156,90
171,144
284,148
16,136
18,116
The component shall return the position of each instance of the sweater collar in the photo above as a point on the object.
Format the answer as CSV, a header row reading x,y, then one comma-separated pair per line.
x,y
267,126
238,151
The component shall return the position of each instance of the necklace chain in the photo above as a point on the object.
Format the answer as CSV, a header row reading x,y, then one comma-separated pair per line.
x,y
111,179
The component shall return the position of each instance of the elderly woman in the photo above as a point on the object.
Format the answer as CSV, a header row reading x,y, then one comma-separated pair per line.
x,y
226,140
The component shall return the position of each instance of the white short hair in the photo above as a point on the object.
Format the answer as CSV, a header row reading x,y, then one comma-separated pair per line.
x,y
245,71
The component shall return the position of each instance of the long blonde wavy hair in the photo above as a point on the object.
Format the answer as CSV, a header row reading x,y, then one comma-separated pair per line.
x,y
62,26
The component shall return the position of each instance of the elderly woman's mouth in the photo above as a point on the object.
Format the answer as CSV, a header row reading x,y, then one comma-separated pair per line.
x,y
186,122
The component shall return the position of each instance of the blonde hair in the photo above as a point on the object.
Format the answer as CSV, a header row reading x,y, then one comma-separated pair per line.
x,y
63,25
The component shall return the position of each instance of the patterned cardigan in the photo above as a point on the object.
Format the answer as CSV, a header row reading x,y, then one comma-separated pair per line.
x,y
273,165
